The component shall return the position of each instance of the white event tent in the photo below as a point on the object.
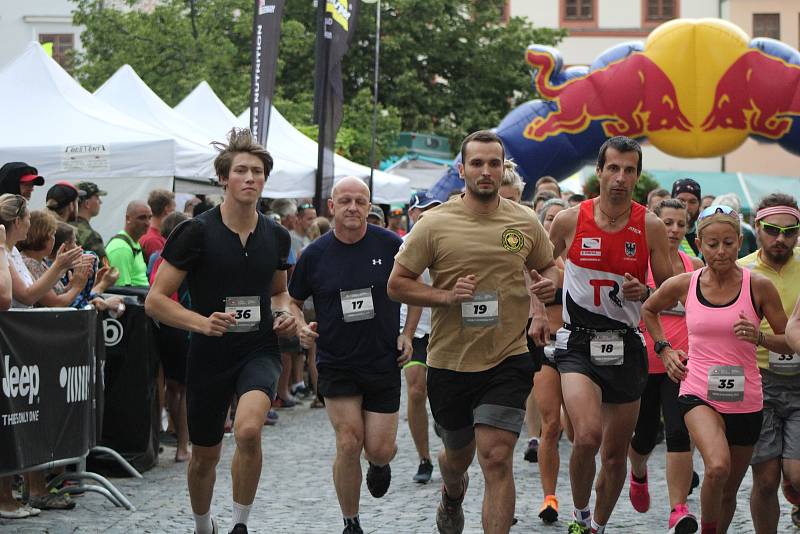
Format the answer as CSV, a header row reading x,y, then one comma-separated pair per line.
x,y
194,156
205,108
54,124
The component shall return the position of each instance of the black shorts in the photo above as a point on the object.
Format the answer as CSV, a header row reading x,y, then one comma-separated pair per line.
x,y
173,349
290,345
208,394
619,383
660,397
741,429
380,390
537,353
494,397
419,353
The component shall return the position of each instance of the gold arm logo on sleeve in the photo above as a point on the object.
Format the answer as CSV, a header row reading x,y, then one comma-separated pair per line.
x,y
512,240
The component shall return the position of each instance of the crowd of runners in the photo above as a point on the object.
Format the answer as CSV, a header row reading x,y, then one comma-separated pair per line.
x,y
600,321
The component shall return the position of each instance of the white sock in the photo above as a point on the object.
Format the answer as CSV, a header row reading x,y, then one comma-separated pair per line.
x,y
203,524
300,384
582,516
598,529
240,514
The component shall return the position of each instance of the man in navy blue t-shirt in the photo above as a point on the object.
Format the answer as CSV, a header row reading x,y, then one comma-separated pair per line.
x,y
359,353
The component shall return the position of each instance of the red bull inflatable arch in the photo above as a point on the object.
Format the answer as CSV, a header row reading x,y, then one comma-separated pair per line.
x,y
694,88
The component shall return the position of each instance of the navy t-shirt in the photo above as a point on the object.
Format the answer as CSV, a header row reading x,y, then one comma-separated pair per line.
x,y
218,266
325,269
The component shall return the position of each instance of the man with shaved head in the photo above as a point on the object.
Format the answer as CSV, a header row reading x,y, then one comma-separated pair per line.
x,y
124,251
359,354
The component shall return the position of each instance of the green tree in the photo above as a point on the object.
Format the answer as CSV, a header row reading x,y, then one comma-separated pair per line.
x,y
447,66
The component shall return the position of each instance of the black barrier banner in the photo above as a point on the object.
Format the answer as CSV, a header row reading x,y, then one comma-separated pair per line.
x,y
47,379
266,38
336,28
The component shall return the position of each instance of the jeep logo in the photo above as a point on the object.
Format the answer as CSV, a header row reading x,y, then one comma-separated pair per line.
x,y
20,381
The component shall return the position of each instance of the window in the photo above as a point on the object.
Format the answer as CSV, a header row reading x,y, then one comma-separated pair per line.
x,y
767,25
63,45
578,10
660,9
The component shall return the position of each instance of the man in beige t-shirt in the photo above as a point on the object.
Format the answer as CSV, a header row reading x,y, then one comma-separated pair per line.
x,y
477,248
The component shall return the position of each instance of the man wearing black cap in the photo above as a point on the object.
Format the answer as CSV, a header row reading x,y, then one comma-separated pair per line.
x,y
375,216
688,191
19,178
88,207
62,200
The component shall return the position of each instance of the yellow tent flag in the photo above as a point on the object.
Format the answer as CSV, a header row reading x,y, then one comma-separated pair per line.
x,y
48,48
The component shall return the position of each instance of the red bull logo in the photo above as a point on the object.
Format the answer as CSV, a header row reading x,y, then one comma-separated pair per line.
x,y
632,96
758,93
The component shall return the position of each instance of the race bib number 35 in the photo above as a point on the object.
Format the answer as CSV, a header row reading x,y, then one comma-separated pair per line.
x,y
483,310
726,383
246,311
357,305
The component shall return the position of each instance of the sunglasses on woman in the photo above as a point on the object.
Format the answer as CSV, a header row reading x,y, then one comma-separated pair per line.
x,y
774,230
715,209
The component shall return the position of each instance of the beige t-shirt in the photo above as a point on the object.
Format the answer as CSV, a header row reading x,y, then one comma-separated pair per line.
x,y
452,241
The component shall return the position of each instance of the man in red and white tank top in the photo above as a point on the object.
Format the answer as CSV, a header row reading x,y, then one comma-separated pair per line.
x,y
608,243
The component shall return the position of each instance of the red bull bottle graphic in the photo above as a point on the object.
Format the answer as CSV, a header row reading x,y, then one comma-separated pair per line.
x,y
631,96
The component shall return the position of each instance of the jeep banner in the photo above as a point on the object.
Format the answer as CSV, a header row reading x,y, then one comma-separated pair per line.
x,y
47,386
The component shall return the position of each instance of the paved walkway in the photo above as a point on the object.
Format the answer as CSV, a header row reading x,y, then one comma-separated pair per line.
x,y
296,494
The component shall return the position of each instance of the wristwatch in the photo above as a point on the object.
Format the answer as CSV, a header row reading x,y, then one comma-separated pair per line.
x,y
658,346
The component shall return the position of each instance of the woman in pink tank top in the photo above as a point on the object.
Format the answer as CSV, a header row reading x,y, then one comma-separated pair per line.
x,y
720,393
661,394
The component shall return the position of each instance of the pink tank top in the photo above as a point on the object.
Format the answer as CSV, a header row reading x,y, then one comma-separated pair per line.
x,y
673,322
720,365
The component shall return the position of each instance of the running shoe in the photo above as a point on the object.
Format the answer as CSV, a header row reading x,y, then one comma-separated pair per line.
x,y
795,515
450,513
424,471
681,521
532,452
284,403
549,511
378,479
272,418
239,528
639,494
52,501
578,528
352,528
213,527
695,482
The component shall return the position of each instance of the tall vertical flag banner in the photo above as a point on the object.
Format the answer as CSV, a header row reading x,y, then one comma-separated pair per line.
x,y
266,38
336,28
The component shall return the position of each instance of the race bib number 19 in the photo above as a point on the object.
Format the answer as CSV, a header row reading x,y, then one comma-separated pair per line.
x,y
246,311
357,305
481,311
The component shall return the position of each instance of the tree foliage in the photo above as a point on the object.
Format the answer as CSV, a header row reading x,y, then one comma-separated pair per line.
x,y
447,66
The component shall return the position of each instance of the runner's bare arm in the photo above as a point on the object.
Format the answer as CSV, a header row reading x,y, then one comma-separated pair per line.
x,y
284,321
657,240
161,307
404,286
562,231
793,329
769,302
671,291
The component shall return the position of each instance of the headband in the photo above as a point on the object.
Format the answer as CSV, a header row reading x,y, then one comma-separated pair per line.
x,y
778,210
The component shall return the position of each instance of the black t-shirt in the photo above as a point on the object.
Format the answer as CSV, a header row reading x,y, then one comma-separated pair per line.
x,y
328,267
218,267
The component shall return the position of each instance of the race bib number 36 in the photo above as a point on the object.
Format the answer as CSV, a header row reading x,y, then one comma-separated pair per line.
x,y
246,311
726,383
483,310
357,305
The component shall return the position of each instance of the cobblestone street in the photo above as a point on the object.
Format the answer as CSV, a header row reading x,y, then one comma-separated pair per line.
x,y
296,494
